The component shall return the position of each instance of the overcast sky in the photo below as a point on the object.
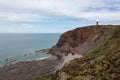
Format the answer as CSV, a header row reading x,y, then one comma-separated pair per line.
x,y
55,16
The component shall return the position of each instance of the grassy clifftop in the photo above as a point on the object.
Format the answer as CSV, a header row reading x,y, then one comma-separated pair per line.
x,y
101,63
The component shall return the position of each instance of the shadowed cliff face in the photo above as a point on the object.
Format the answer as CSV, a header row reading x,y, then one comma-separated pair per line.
x,y
79,40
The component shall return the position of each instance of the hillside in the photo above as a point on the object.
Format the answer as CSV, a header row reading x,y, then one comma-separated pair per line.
x,y
79,40
101,50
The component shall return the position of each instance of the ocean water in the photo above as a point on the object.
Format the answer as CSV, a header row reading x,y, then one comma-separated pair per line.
x,y
22,47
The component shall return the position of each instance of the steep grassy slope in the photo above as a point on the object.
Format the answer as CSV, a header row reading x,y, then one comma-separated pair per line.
x,y
101,63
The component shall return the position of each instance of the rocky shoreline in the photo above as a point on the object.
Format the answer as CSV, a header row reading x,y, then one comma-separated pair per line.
x,y
9,61
29,70
43,51
72,44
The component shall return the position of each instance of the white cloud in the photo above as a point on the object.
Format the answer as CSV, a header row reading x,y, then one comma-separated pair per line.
x,y
70,8
44,10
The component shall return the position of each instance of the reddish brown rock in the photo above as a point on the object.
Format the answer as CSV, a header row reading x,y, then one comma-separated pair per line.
x,y
79,40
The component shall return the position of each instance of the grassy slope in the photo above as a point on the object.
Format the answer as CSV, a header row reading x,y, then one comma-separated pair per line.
x,y
102,63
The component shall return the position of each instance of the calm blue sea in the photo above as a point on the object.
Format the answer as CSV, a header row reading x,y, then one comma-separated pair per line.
x,y
15,46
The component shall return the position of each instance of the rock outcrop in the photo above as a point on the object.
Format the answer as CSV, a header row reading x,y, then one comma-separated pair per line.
x,y
79,40
102,61
28,70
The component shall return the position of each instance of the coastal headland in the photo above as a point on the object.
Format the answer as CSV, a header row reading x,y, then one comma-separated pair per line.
x,y
79,43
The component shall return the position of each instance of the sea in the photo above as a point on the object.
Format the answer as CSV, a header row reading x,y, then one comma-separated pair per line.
x,y
22,47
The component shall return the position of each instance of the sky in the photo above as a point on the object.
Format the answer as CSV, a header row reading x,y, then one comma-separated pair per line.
x,y
55,16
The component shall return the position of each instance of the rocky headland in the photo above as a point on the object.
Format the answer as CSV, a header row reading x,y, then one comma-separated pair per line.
x,y
98,46
80,40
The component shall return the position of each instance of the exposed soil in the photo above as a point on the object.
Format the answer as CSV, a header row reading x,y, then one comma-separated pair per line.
x,y
79,40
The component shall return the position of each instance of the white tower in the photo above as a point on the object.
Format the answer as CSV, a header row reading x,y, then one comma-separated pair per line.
x,y
97,22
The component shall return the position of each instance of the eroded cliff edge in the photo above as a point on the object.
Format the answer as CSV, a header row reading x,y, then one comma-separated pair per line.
x,y
79,40
102,61
100,46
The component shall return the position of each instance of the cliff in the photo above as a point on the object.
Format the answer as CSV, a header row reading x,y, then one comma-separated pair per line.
x,y
80,40
100,46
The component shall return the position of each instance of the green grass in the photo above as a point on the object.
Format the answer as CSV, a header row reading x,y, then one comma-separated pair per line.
x,y
101,63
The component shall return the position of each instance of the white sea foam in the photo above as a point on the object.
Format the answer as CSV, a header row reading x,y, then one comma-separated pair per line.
x,y
42,58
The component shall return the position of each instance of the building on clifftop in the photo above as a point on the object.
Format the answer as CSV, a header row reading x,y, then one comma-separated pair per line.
x,y
97,22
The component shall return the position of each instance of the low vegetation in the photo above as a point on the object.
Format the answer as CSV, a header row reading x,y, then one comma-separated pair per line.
x,y
101,63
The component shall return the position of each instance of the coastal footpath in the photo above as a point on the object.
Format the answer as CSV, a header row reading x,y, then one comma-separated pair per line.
x,y
100,47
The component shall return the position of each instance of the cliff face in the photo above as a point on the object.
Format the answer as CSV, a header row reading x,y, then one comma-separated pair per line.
x,y
102,61
80,40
